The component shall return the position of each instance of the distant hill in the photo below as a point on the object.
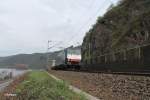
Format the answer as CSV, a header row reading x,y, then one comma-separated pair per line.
x,y
37,60
34,61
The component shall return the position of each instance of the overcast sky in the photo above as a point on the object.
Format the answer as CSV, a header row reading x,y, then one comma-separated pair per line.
x,y
27,25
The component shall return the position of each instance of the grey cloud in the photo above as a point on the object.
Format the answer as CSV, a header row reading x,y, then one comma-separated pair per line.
x,y
26,25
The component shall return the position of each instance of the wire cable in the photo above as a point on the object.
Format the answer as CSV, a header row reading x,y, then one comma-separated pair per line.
x,y
65,42
91,18
88,21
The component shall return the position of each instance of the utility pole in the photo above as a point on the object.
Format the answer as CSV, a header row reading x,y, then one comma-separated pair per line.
x,y
47,54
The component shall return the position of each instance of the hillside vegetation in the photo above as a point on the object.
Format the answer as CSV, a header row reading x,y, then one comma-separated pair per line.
x,y
123,26
33,61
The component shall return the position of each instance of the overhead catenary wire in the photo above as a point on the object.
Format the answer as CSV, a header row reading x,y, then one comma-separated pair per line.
x,y
91,18
57,44
65,42
80,29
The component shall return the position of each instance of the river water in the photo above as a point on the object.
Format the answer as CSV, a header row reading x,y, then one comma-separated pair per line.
x,y
15,72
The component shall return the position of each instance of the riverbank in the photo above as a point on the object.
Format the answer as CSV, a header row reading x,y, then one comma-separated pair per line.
x,y
5,84
7,76
11,87
38,85
1,82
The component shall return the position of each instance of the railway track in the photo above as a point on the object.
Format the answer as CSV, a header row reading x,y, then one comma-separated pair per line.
x,y
109,85
147,73
129,73
144,73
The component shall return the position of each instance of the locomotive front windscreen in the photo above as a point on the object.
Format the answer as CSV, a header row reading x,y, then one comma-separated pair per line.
x,y
74,54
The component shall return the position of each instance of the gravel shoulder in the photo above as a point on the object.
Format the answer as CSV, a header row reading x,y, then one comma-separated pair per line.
x,y
108,86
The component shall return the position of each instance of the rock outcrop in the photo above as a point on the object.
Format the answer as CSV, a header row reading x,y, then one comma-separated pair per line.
x,y
123,26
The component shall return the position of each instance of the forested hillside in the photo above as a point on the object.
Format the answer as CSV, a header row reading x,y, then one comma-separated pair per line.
x,y
36,60
126,25
33,61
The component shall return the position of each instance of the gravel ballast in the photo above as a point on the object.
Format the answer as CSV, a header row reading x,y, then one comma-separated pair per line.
x,y
108,86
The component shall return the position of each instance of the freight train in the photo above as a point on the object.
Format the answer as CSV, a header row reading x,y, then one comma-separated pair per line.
x,y
128,60
135,59
70,59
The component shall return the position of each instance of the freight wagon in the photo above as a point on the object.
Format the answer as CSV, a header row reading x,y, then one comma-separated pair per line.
x,y
127,60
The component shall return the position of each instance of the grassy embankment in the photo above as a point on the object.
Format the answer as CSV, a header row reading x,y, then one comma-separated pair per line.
x,y
40,86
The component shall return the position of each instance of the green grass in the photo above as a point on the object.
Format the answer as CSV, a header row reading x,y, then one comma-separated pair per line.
x,y
40,86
